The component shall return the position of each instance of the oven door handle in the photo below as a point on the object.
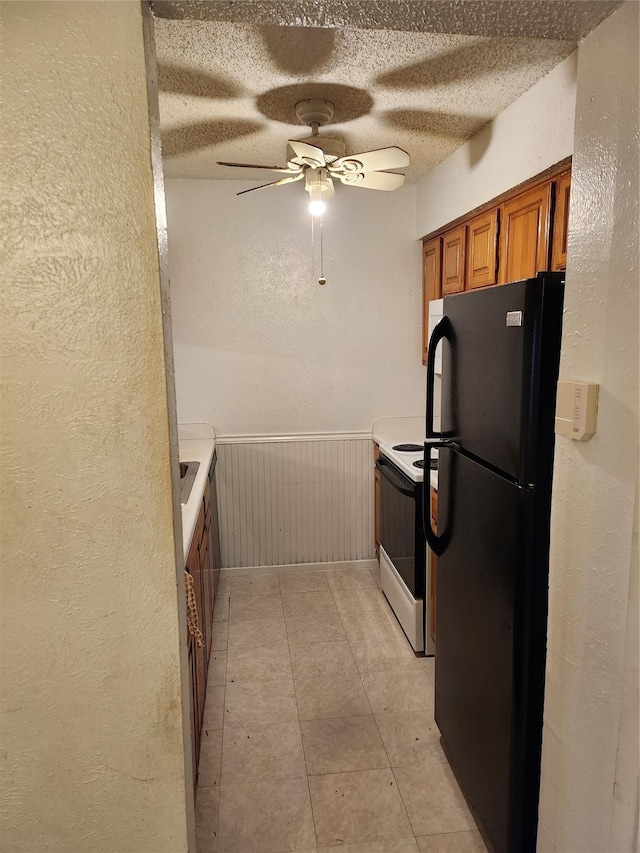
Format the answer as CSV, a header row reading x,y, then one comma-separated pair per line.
x,y
383,466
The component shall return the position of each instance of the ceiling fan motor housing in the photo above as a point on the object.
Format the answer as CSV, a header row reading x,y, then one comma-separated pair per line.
x,y
314,111
316,180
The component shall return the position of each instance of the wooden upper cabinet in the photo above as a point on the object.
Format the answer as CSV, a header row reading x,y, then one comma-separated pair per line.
x,y
524,240
482,250
453,258
431,285
561,223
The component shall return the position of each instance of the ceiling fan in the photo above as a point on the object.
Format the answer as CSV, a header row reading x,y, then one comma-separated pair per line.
x,y
321,159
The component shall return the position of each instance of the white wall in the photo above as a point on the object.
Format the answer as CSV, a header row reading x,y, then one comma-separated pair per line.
x,y
589,796
532,134
92,738
260,347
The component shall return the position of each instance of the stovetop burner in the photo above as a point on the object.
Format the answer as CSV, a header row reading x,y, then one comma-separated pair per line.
x,y
433,464
408,448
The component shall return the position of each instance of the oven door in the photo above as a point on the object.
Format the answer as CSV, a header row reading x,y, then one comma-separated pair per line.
x,y
401,525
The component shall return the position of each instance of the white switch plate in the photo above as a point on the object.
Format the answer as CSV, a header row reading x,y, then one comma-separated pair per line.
x,y
576,409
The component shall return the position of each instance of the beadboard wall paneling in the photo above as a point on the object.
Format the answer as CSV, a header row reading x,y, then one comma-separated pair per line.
x,y
295,499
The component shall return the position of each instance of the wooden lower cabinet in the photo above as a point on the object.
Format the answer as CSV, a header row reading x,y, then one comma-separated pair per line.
x,y
195,729
524,235
201,568
433,570
482,250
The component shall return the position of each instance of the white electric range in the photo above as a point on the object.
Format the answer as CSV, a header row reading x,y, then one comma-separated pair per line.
x,y
403,550
408,457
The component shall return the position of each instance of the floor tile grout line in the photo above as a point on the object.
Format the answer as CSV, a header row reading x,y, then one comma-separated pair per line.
x,y
354,657
404,805
224,711
304,755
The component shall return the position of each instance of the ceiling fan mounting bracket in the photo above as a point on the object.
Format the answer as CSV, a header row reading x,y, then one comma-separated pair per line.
x,y
314,111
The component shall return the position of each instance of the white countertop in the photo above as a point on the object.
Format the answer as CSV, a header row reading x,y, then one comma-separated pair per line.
x,y
399,430
194,450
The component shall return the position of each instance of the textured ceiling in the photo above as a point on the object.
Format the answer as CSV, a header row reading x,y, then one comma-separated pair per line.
x,y
556,19
228,88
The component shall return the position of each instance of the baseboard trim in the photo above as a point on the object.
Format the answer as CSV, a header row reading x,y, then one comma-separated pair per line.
x,y
345,565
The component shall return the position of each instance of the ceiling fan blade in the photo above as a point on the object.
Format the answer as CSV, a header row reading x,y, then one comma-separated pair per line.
x,y
372,161
273,184
307,155
373,180
279,169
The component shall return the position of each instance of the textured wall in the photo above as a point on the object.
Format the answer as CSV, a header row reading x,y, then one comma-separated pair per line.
x,y
535,132
260,347
91,712
589,798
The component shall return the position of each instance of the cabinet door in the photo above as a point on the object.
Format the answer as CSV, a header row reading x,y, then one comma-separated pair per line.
x,y
524,239
431,285
199,652
195,732
561,223
482,250
453,260
207,580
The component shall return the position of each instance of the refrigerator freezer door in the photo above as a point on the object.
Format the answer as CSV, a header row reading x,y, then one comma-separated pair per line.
x,y
500,368
491,606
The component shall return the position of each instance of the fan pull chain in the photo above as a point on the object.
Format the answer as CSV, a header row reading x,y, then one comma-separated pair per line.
x,y
321,279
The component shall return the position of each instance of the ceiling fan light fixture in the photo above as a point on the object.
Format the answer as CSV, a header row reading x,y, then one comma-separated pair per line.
x,y
316,205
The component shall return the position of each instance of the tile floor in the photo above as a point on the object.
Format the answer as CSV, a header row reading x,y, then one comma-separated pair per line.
x,y
318,727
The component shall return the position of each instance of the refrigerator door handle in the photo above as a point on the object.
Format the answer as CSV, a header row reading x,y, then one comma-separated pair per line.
x,y
441,331
437,542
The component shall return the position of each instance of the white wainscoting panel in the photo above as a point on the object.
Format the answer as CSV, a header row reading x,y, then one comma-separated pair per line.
x,y
295,499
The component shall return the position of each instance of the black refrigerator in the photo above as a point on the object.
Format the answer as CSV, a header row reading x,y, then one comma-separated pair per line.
x,y
501,350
